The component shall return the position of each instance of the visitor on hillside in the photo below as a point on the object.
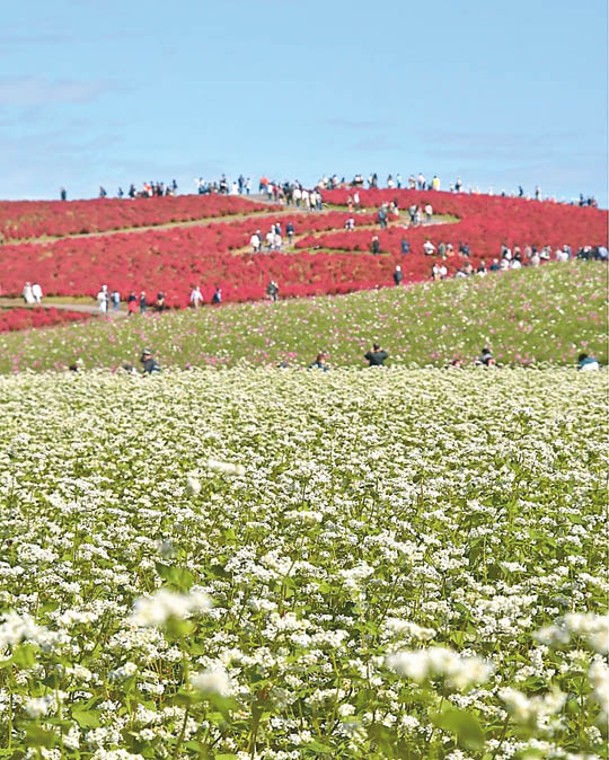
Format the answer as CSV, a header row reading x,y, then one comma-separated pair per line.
x,y
161,303
143,302
216,299
398,275
486,358
115,297
196,297
28,295
149,363
405,246
439,271
586,363
375,246
63,194
131,304
256,242
376,357
320,362
37,293
102,299
272,291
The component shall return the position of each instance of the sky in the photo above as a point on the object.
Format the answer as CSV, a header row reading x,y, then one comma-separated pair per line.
x,y
114,92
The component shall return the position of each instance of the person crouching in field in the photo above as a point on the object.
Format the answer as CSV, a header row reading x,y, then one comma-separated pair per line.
x,y
149,363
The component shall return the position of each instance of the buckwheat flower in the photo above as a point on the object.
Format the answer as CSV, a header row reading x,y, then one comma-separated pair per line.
x,y
71,740
458,671
156,609
344,711
16,628
115,754
226,468
125,671
213,680
599,680
193,485
408,629
38,707
594,629
530,710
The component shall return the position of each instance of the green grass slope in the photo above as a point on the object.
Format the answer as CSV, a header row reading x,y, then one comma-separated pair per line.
x,y
532,316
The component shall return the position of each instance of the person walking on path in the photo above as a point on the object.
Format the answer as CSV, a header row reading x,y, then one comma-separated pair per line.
x,y
102,300
27,293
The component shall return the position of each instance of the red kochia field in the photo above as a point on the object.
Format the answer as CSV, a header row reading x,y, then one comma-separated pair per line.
x,y
326,259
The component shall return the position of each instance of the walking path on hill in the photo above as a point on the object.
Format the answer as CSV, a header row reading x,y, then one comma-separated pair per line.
x,y
79,304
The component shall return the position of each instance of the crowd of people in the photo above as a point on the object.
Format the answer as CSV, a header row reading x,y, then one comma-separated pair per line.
x,y
110,300
293,192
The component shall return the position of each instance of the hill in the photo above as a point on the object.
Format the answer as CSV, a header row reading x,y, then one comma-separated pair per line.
x,y
171,244
529,317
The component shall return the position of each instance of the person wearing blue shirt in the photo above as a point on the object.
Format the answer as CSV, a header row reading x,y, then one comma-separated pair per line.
x,y
587,363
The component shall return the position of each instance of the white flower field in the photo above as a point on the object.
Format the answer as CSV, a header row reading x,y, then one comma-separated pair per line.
x,y
283,564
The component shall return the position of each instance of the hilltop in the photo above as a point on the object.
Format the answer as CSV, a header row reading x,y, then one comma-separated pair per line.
x,y
171,244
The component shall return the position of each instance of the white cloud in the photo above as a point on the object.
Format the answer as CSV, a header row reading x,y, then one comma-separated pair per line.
x,y
28,91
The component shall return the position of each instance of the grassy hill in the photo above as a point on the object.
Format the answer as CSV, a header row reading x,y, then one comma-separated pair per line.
x,y
531,316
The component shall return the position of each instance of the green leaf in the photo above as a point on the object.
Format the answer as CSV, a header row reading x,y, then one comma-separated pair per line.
x,y
319,748
24,656
178,629
86,718
178,578
39,737
463,724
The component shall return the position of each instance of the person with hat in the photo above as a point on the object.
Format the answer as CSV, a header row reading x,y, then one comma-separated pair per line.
x,y
149,363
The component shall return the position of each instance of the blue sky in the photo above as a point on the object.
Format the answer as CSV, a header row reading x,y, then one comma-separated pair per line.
x,y
109,92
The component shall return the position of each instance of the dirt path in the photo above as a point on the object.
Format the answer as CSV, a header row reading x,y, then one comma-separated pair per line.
x,y
50,303
275,209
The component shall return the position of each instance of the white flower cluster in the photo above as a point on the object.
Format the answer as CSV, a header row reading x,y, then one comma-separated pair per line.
x,y
156,609
440,663
353,541
213,680
531,710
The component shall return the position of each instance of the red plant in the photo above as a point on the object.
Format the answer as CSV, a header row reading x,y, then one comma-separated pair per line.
x,y
328,259
26,319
